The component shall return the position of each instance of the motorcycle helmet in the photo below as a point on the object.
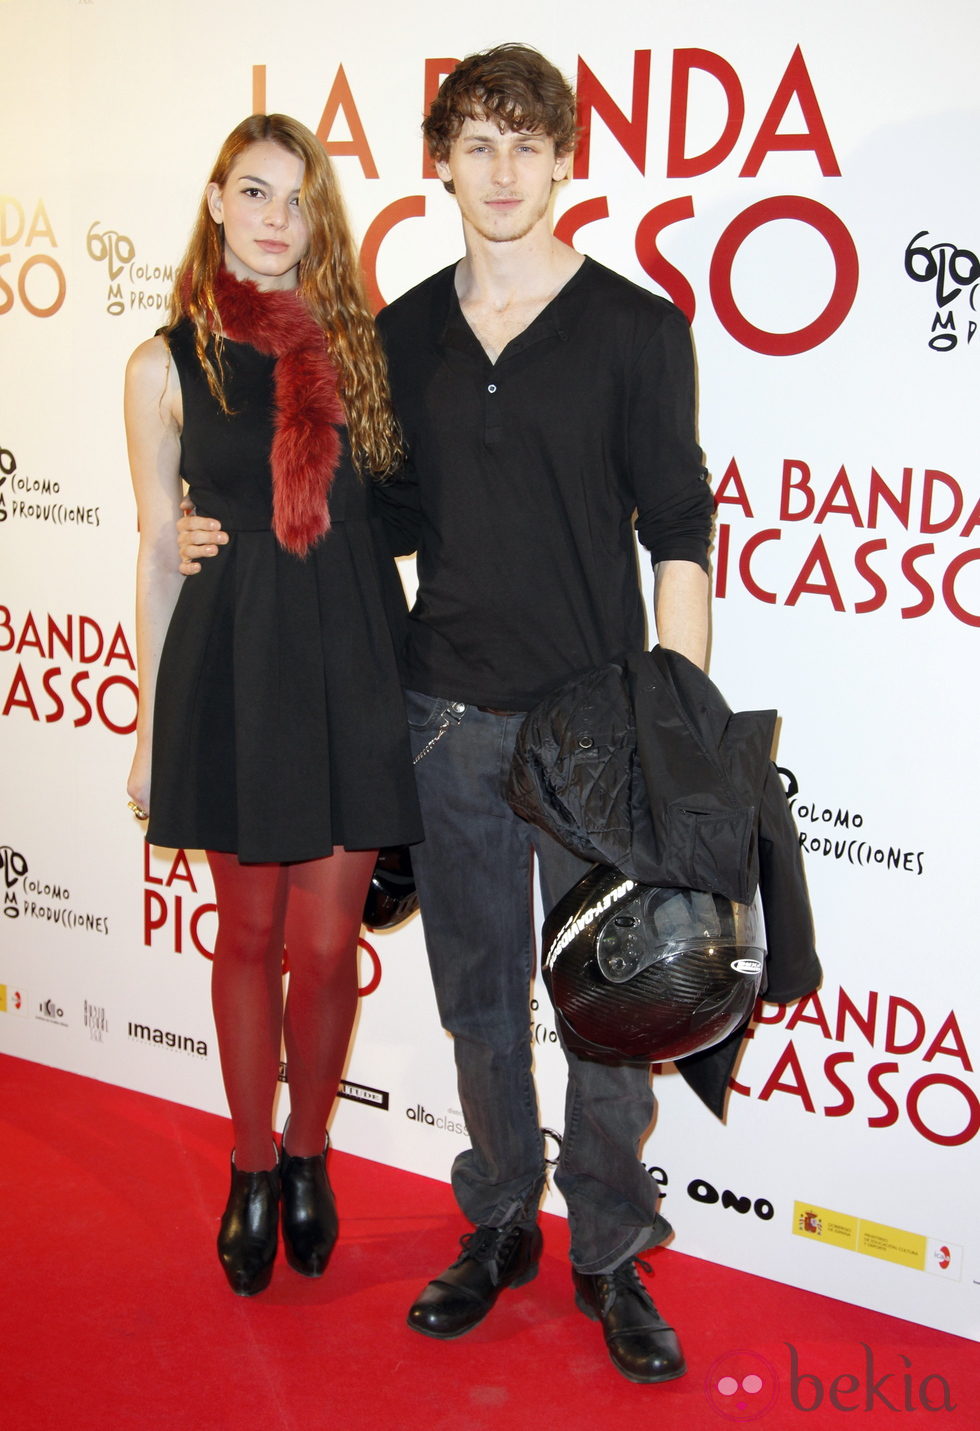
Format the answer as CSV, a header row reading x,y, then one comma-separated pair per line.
x,y
391,896
640,973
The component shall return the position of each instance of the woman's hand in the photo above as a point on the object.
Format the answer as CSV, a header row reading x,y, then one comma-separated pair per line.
x,y
138,784
197,537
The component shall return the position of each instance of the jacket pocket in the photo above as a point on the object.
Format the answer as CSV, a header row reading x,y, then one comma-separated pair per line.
x,y
709,848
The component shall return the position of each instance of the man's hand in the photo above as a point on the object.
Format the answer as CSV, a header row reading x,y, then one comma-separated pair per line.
x,y
197,537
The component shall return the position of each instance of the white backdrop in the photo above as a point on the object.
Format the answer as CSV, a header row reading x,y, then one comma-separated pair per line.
x,y
803,178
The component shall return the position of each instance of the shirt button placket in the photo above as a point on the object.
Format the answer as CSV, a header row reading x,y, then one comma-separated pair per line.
x,y
491,427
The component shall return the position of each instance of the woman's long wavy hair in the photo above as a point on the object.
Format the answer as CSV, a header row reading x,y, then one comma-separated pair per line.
x,y
329,280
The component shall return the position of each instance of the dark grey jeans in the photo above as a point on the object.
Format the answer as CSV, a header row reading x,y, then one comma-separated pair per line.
x,y
473,872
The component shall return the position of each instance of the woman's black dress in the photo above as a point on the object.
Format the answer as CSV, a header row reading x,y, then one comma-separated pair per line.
x,y
279,727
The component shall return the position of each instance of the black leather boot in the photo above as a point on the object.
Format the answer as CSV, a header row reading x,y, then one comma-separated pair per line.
x,y
249,1232
309,1213
491,1259
640,1343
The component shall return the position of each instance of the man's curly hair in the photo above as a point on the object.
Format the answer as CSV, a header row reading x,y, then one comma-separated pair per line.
x,y
512,85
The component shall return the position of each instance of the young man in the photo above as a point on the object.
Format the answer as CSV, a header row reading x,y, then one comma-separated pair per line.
x,y
545,402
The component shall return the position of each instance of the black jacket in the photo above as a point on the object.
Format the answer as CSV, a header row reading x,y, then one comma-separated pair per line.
x,y
643,766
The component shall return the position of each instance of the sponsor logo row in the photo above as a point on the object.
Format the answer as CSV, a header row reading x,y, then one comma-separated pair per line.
x,y
15,999
875,1239
920,1253
449,1122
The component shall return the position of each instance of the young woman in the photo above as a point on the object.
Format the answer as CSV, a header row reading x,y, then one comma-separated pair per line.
x,y
271,725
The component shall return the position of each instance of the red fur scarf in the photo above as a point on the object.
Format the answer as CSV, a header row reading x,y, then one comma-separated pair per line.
x,y
306,445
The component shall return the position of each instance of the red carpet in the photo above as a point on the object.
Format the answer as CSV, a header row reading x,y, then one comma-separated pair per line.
x,y
115,1314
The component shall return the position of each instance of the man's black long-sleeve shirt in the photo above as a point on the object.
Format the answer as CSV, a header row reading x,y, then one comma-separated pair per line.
x,y
524,476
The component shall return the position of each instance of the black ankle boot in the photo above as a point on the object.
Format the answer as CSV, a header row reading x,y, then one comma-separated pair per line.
x,y
249,1232
309,1213
491,1258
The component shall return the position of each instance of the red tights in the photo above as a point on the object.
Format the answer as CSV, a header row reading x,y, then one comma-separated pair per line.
x,y
313,909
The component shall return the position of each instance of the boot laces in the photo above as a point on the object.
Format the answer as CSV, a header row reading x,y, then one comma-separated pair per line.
x,y
485,1244
626,1278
